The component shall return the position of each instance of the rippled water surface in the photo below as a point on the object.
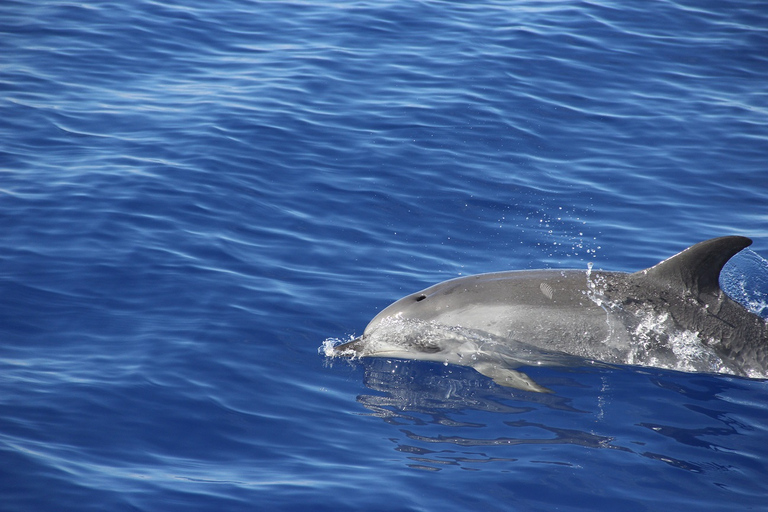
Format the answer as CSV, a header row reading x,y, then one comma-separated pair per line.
x,y
195,195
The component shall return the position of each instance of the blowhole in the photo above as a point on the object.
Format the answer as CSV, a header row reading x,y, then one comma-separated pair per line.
x,y
421,298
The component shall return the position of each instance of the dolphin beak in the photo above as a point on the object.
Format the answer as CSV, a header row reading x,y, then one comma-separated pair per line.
x,y
351,348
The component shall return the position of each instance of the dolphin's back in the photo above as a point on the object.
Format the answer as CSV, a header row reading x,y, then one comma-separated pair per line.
x,y
686,289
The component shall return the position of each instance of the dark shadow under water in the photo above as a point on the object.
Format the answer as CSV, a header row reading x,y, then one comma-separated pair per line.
x,y
452,416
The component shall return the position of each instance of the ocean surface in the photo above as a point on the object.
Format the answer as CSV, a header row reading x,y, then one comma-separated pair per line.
x,y
196,195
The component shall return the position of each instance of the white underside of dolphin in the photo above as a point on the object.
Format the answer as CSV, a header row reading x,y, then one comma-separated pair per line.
x,y
673,315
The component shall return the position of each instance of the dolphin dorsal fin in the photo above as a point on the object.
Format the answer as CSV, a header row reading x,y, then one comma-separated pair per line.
x,y
697,269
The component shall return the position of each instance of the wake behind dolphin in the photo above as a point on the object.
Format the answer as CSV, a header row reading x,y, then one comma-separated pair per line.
x,y
672,315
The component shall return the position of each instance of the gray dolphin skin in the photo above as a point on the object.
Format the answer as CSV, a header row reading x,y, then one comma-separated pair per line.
x,y
672,315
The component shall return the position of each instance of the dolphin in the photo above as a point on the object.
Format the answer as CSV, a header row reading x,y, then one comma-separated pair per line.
x,y
672,315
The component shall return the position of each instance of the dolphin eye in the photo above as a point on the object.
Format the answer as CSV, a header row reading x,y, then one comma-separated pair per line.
x,y
421,298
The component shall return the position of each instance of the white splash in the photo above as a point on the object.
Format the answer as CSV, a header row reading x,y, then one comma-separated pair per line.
x,y
329,345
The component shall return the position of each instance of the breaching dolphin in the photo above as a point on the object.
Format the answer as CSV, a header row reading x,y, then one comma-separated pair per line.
x,y
672,315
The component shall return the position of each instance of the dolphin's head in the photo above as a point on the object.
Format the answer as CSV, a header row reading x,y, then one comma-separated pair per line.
x,y
407,329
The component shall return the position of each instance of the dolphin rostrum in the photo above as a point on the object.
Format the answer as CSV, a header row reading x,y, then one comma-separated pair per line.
x,y
672,315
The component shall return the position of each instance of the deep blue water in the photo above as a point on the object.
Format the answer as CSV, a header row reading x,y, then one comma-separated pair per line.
x,y
195,195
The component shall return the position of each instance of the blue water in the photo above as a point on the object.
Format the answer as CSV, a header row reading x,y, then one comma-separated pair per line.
x,y
195,195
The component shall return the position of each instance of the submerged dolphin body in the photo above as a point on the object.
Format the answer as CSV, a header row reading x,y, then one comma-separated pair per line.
x,y
672,315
